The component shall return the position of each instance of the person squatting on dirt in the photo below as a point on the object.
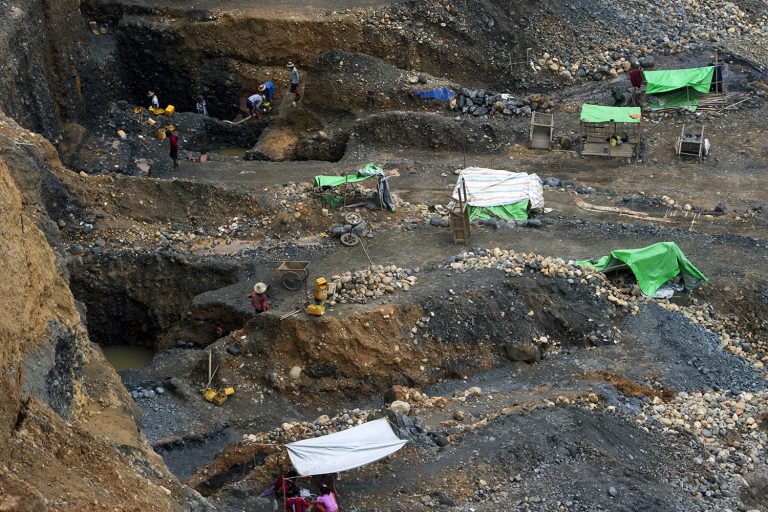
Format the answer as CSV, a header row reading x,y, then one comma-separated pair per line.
x,y
173,138
297,504
259,299
295,78
326,501
253,103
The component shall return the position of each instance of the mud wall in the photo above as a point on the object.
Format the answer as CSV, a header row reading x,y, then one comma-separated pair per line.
x,y
63,409
181,53
43,55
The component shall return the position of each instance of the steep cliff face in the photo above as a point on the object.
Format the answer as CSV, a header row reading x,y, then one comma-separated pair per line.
x,y
43,53
68,435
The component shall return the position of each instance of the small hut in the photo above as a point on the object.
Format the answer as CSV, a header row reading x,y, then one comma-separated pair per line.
x,y
610,131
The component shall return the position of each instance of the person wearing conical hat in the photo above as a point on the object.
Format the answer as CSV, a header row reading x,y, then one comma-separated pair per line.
x,y
267,89
154,102
259,299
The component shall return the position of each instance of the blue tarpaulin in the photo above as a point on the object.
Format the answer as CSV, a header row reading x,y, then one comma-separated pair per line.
x,y
438,93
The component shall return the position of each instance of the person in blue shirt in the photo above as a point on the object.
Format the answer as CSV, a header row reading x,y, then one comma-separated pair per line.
x,y
268,90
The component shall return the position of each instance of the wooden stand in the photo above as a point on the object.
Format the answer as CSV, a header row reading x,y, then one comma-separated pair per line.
x,y
690,144
542,130
595,139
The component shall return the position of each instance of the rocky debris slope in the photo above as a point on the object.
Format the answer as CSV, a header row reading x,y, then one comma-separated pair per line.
x,y
613,38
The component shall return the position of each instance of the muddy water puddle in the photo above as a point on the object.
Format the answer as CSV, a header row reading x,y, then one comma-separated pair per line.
x,y
232,152
124,357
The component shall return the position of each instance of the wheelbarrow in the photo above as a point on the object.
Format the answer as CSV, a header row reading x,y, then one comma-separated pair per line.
x,y
293,274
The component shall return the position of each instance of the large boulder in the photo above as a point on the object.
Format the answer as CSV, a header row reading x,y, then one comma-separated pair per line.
x,y
522,352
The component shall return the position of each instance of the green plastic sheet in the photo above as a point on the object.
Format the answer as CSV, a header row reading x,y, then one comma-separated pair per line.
x,y
513,211
683,98
603,114
653,265
335,181
699,79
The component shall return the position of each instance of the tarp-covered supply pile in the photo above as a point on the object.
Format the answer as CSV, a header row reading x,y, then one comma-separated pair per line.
x,y
337,192
503,194
345,450
659,265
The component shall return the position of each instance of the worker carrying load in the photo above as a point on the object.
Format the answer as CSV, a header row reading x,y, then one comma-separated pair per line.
x,y
253,103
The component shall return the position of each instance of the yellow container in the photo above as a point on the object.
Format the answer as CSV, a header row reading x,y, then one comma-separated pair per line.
x,y
121,134
321,289
169,110
209,394
161,133
316,309
151,122
229,391
137,110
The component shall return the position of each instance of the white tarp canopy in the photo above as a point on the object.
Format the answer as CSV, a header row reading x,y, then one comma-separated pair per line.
x,y
492,187
344,450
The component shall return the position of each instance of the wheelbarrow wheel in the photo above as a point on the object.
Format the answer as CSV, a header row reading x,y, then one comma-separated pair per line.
x,y
353,219
350,239
292,281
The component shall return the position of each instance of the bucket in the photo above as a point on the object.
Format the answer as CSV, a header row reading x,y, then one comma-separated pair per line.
x,y
161,133
169,110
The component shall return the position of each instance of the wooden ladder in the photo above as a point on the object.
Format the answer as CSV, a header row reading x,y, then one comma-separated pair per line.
x,y
460,217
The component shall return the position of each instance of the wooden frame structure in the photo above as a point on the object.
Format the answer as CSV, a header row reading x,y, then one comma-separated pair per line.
x,y
542,131
690,144
459,216
596,139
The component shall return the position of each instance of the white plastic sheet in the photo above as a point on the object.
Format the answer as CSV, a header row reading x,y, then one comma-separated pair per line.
x,y
344,450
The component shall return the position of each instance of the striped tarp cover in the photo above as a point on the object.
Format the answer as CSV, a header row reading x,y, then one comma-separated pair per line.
x,y
493,187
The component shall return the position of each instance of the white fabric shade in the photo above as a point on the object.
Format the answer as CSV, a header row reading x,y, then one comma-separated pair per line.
x,y
344,450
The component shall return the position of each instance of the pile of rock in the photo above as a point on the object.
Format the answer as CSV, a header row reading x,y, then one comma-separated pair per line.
x,y
415,398
322,425
482,103
517,263
749,347
731,427
371,283
148,393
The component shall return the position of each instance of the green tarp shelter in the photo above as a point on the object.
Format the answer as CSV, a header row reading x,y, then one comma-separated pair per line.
x,y
369,171
513,211
605,114
652,266
698,79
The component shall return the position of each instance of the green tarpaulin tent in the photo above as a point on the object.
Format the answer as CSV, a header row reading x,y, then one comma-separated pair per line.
x,y
604,114
513,211
698,79
653,266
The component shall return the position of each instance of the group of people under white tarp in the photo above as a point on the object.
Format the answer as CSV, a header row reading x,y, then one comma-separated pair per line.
x,y
322,458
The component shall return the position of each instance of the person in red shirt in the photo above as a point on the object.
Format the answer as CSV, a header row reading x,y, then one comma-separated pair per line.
x,y
259,299
174,140
297,504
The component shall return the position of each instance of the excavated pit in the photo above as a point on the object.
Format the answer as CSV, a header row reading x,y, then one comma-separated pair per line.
x,y
135,298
